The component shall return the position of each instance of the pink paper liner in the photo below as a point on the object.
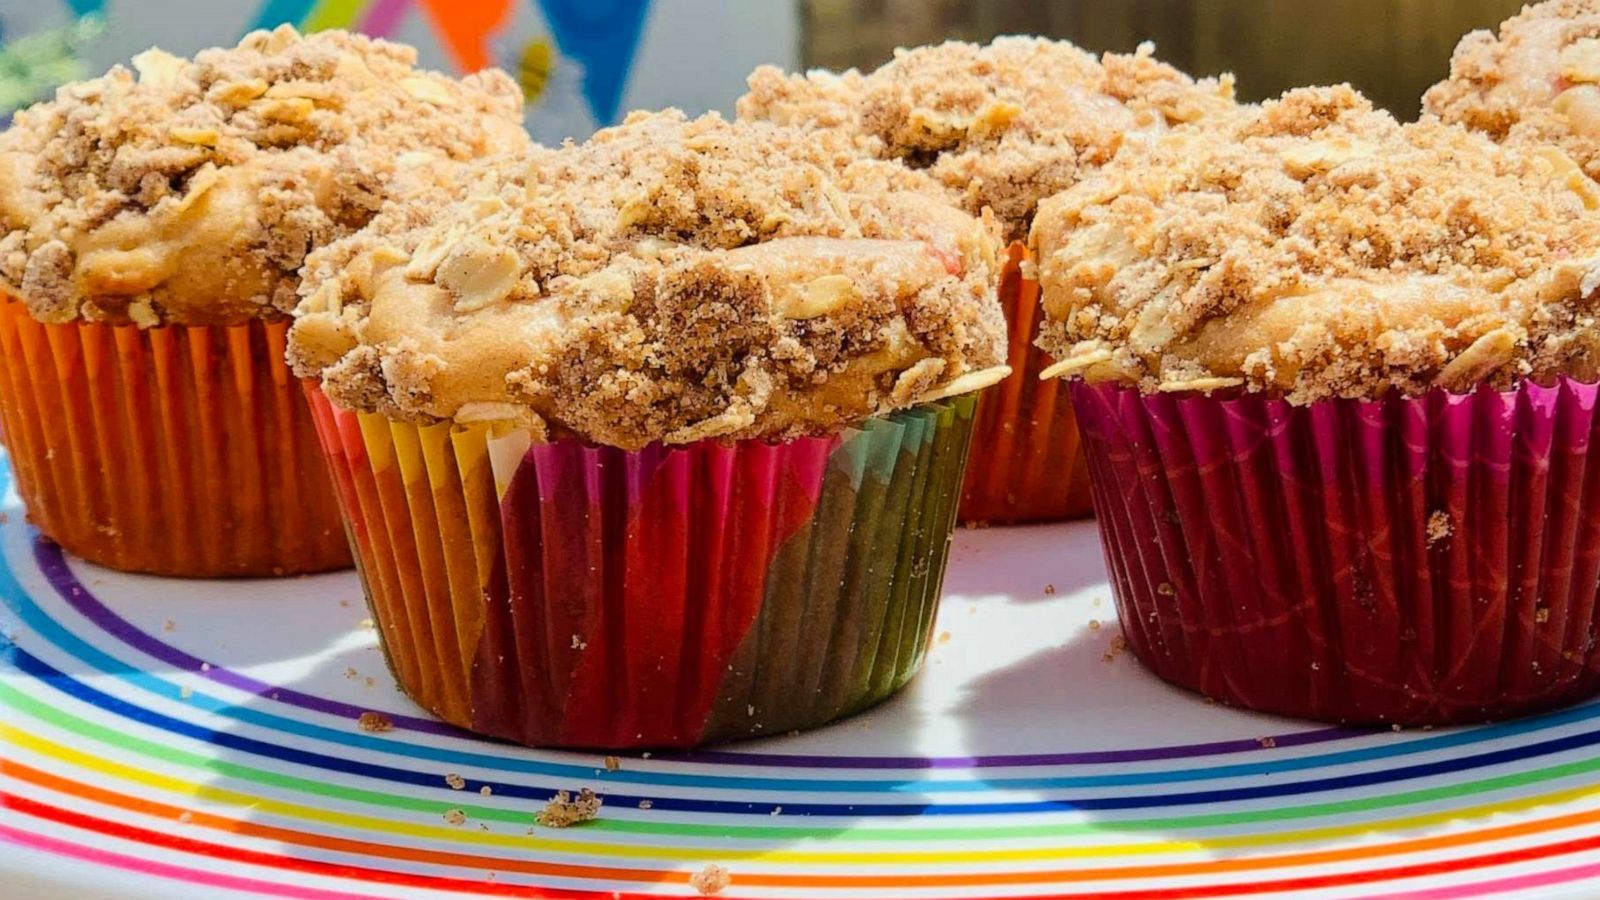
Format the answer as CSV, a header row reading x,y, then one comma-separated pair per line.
x,y
661,598
1412,561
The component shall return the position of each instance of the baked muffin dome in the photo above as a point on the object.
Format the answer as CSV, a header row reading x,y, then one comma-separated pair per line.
x,y
1003,125
1535,82
1317,248
668,280
190,192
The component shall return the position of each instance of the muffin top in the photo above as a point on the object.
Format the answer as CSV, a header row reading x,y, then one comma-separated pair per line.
x,y
1536,82
1003,125
190,192
1317,248
668,280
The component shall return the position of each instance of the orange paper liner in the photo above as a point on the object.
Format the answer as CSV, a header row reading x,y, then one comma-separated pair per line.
x,y
186,451
1027,458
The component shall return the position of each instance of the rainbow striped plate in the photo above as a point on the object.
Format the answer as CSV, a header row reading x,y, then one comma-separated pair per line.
x,y
171,739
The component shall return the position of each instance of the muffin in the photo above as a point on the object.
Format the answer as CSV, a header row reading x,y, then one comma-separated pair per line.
x,y
655,440
1001,127
1336,381
1535,83
155,224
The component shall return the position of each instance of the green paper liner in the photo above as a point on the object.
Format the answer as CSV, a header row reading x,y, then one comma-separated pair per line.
x,y
566,595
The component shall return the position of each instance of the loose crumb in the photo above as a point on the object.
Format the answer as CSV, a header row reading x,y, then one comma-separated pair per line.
x,y
646,804
351,674
1166,589
486,790
710,880
944,637
579,644
613,764
1049,590
168,625
563,811
1439,526
1094,624
455,817
455,781
1542,615
1118,644
375,722
1267,743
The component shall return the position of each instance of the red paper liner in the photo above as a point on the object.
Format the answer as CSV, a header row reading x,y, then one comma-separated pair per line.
x,y
184,451
663,598
1027,459
1411,561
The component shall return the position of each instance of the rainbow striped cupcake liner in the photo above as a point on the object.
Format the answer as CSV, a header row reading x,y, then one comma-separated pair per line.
x,y
1027,456
1425,560
566,595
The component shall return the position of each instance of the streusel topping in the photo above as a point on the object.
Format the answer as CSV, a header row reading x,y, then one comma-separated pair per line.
x,y
1535,82
190,192
1317,248
1003,125
668,280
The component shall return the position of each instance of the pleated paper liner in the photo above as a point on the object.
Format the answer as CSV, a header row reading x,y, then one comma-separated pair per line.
x,y
1409,561
184,451
1027,459
568,595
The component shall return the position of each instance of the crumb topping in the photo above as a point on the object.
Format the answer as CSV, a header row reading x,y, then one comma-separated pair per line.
x,y
1536,82
1002,125
669,280
1317,248
565,811
190,191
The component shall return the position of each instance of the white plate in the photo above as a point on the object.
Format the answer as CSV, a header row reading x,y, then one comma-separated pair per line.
x,y
162,738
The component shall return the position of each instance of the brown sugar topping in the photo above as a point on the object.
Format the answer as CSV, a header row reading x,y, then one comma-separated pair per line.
x,y
1536,81
669,280
1317,248
190,191
1002,125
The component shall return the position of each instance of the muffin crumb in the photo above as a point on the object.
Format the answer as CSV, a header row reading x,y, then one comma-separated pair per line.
x,y
1439,526
455,817
565,811
710,880
375,722
456,782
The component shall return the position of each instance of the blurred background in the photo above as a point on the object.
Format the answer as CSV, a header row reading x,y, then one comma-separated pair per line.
x,y
584,63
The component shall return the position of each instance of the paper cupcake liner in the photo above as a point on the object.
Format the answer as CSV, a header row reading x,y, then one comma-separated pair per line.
x,y
576,596
1027,458
184,451
1409,561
